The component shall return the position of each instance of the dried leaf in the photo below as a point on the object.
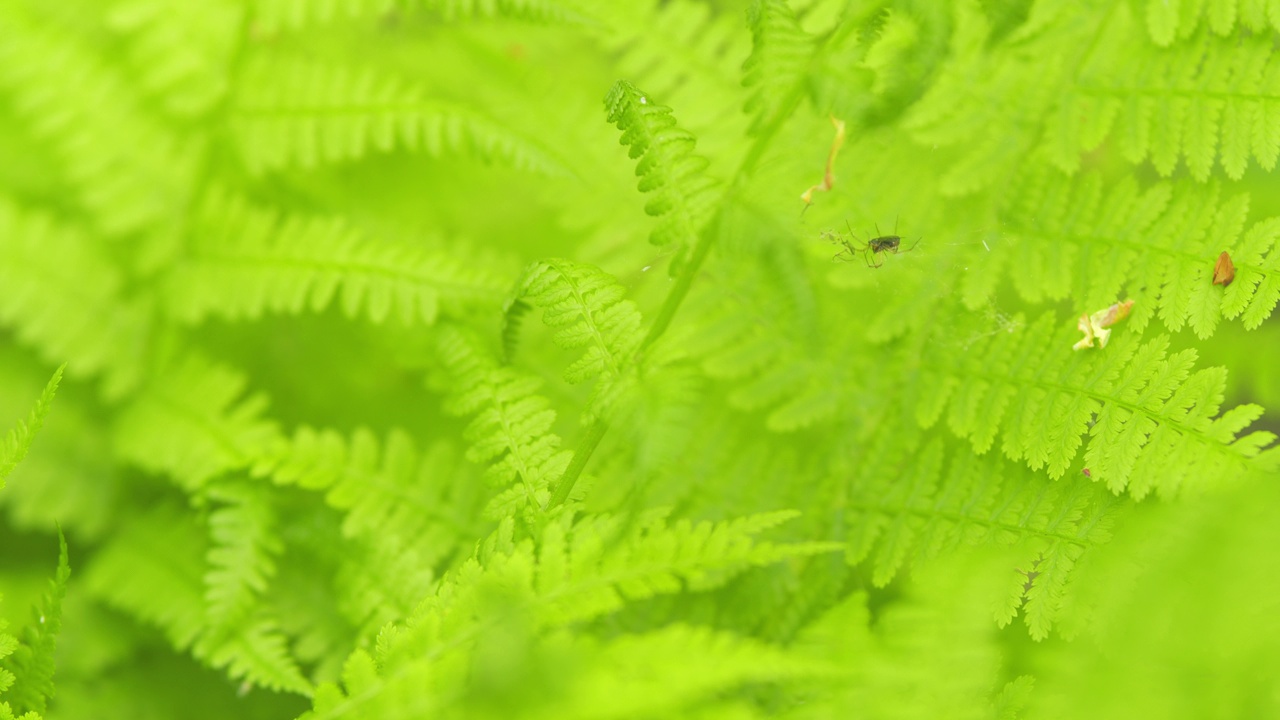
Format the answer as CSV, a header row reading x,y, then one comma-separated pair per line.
x,y
1224,271
1095,326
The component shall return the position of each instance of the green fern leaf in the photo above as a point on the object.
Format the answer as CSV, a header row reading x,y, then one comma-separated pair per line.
x,y
746,328
1199,101
913,504
511,428
579,576
1169,21
1157,246
152,569
779,63
678,670
682,50
1253,295
257,654
586,307
290,113
684,196
180,54
1032,390
18,440
94,122
50,273
576,574
391,493
249,262
241,558
272,15
33,662
192,424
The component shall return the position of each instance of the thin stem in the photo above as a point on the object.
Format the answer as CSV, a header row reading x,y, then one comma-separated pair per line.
x,y
587,446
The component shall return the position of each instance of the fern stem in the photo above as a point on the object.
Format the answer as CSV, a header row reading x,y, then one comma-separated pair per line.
x,y
595,433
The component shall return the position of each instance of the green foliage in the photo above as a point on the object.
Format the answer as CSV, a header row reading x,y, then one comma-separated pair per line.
x,y
17,442
804,444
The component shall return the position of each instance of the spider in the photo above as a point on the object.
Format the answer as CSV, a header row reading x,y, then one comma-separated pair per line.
x,y
872,247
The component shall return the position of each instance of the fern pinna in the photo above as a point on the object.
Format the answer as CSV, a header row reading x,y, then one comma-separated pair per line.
x,y
489,359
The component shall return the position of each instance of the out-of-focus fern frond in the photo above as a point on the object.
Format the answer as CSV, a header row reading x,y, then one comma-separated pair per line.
x,y
51,275
180,52
271,15
293,113
129,170
247,261
1170,21
192,423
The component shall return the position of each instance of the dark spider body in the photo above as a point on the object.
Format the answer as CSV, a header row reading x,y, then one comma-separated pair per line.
x,y
872,247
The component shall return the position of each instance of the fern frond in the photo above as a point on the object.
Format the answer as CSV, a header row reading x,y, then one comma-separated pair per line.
x,y
679,50
50,274
391,493
930,654
152,569
575,574
247,261
179,53
244,544
272,15
747,327
292,113
1151,420
579,576
511,428
1252,296
255,653
908,502
684,196
18,440
1081,237
1178,20
679,670
129,170
192,424
1200,101
33,663
587,308
778,66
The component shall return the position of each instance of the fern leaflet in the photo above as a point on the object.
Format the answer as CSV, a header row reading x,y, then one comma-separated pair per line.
x,y
1151,420
511,427
291,113
18,440
248,261
207,428
685,197
1158,246
32,662
585,306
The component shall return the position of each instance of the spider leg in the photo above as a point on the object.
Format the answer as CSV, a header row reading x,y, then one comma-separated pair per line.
x,y
868,255
913,246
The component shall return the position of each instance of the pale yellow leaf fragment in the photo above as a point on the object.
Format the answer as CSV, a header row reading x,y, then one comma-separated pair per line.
x,y
1095,326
